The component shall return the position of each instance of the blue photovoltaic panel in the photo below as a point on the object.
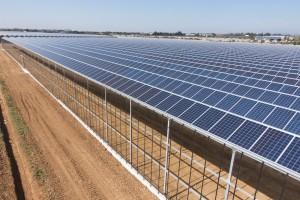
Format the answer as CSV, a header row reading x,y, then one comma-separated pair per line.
x,y
288,89
132,88
228,102
140,91
291,157
172,85
262,84
208,119
158,98
260,111
271,144
168,102
247,134
209,82
241,90
192,91
279,117
193,112
183,87
119,83
202,94
244,81
285,100
226,126
149,94
297,93
268,96
229,87
274,86
296,104
218,85
294,125
214,98
243,106
126,85
180,107
254,93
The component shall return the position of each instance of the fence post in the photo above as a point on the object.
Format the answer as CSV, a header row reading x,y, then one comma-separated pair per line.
x,y
65,87
75,93
89,103
230,173
106,116
57,81
166,158
130,104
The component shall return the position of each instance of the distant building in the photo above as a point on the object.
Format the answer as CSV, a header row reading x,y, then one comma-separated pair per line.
x,y
190,34
273,38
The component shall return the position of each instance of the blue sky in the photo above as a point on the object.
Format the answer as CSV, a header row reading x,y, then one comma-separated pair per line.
x,y
220,16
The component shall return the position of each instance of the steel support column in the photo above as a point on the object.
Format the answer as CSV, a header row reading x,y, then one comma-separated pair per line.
x,y
230,173
89,103
58,82
106,116
76,96
65,88
166,158
130,105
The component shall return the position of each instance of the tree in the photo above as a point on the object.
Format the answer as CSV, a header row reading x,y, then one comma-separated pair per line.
x,y
179,33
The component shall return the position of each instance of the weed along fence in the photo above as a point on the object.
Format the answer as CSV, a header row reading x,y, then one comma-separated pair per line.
x,y
175,160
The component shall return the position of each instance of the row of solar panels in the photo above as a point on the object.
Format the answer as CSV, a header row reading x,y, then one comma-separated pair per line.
x,y
284,88
222,97
250,124
192,67
256,56
41,34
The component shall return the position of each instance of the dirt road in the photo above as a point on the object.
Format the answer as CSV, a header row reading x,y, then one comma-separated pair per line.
x,y
76,166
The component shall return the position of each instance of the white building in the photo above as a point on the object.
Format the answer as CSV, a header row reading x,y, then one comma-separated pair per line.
x,y
275,38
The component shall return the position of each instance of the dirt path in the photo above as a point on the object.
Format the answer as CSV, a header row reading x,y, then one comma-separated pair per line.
x,y
76,165
8,179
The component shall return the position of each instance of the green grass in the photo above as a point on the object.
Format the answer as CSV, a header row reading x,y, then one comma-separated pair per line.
x,y
37,173
22,131
14,113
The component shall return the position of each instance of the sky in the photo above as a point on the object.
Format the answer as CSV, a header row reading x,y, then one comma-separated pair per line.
x,y
188,16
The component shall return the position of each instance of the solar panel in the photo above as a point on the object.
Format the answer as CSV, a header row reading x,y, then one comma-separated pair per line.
x,y
180,107
168,102
233,91
243,106
291,157
247,134
227,125
271,144
285,100
228,102
193,112
279,117
208,119
260,111
294,124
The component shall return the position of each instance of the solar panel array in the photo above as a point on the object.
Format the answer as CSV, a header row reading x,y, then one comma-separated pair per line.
x,y
42,34
246,94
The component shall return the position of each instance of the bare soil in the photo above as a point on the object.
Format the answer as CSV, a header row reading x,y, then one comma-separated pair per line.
x,y
74,164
